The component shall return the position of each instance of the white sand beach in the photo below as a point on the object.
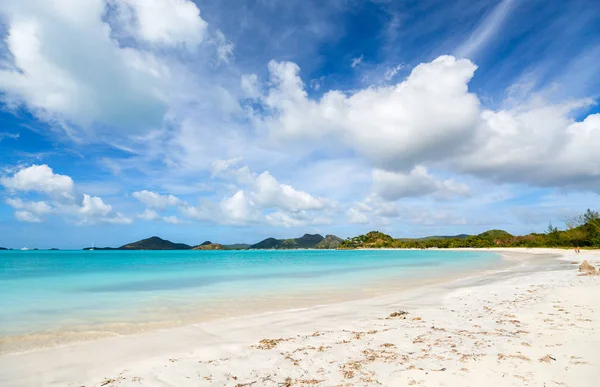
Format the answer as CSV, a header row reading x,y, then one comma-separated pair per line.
x,y
535,323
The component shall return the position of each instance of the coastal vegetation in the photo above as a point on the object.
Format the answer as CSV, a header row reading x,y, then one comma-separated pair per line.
x,y
307,241
208,245
581,231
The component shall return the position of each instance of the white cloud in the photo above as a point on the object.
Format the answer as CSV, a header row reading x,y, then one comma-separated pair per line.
x,y
391,72
13,136
432,120
93,210
418,182
167,22
356,61
26,216
31,212
357,215
250,85
173,219
486,30
227,169
239,209
38,208
67,69
538,144
63,199
94,206
157,201
425,217
39,178
296,219
224,47
269,193
427,116
149,215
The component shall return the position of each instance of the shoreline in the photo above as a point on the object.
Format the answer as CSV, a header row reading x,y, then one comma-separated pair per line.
x,y
203,311
96,362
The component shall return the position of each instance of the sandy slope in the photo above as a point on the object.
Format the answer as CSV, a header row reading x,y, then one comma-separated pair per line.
x,y
534,324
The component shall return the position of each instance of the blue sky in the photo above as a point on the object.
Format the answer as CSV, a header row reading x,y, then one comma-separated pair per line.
x,y
232,121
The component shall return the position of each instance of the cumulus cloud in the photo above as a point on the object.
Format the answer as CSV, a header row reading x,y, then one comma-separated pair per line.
x,y
269,193
62,198
29,211
66,68
173,220
149,215
427,116
431,119
537,144
358,215
296,219
257,199
157,201
239,209
39,178
165,22
228,169
26,216
418,182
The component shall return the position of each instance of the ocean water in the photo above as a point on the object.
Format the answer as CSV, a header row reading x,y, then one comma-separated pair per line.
x,y
83,291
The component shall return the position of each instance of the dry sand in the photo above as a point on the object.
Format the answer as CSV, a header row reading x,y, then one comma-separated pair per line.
x,y
535,323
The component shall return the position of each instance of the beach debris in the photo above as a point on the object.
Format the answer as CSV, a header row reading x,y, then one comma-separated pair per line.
x,y
586,267
269,343
111,381
400,313
502,356
286,383
547,359
308,381
349,369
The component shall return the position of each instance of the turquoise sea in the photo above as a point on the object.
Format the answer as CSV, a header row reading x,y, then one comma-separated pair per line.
x,y
54,291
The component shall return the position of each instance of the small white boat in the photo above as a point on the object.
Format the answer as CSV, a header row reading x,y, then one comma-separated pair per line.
x,y
25,249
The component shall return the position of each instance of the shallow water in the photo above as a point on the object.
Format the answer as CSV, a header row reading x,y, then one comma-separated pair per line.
x,y
129,291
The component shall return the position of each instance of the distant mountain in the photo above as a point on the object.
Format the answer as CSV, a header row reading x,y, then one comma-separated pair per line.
x,y
3,248
330,242
155,243
209,246
373,239
495,234
307,241
269,243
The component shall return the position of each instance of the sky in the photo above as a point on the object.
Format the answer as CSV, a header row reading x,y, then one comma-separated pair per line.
x,y
237,120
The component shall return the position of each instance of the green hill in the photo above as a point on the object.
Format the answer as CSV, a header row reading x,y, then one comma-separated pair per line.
x,y
330,242
269,243
209,246
307,241
373,239
496,234
155,243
